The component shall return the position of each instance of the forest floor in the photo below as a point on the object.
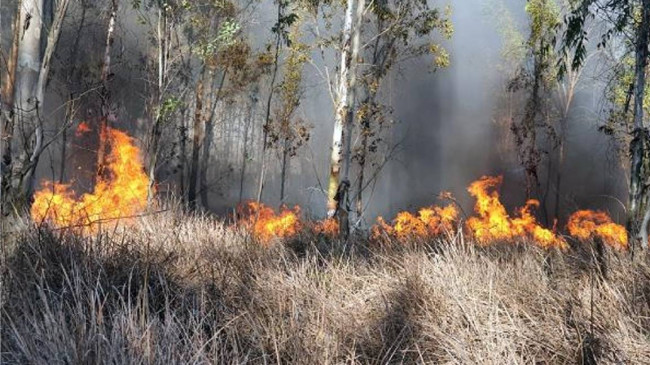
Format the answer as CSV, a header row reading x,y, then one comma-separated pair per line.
x,y
178,288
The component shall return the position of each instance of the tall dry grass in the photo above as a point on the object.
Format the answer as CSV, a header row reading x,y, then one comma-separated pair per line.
x,y
187,289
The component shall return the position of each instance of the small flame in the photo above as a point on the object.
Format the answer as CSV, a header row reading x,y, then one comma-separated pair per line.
x,y
82,129
328,227
429,222
494,224
119,195
587,224
266,224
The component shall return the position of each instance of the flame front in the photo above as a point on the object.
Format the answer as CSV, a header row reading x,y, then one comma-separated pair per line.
x,y
429,222
493,223
266,224
328,227
119,194
587,224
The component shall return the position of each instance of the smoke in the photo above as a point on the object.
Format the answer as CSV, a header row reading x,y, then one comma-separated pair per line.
x,y
450,135
445,131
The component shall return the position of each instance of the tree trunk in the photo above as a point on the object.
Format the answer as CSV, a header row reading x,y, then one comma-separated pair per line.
x,y
28,70
105,91
350,103
52,41
363,155
269,100
207,143
247,128
638,145
155,133
182,135
69,114
340,110
283,170
7,109
197,138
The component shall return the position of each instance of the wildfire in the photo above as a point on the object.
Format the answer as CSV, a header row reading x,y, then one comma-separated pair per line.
x,y
429,222
266,224
494,224
119,194
587,224
329,227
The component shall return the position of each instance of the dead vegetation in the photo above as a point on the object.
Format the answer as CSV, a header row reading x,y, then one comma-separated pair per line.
x,y
188,289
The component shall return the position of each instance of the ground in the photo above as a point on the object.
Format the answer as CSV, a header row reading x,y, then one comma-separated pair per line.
x,y
180,288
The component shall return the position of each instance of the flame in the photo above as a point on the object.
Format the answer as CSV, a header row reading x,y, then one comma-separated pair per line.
x,y
493,222
266,224
587,224
429,222
82,128
120,194
328,227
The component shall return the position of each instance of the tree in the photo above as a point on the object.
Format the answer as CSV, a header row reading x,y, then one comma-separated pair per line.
x,y
287,132
32,70
396,31
626,17
538,82
343,106
214,29
280,29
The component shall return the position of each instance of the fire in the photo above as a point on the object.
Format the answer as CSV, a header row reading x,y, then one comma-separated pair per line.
x,y
494,224
328,227
587,224
119,194
82,128
429,222
266,224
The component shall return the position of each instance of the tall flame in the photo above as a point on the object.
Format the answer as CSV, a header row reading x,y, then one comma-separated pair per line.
x,y
587,224
493,223
119,194
267,225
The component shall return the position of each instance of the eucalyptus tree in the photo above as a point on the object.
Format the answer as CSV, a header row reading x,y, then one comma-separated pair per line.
x,y
628,19
393,32
26,81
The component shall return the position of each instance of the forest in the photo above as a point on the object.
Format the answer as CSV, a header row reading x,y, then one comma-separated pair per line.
x,y
324,181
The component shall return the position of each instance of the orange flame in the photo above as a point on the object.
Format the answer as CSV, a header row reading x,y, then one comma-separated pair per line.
x,y
429,222
266,224
82,128
587,224
121,194
328,227
494,224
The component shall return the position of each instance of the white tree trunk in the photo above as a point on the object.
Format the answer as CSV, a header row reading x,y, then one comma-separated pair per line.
x,y
27,77
29,56
7,117
350,102
340,109
52,41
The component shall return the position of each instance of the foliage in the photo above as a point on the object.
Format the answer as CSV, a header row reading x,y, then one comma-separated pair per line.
x,y
619,12
396,31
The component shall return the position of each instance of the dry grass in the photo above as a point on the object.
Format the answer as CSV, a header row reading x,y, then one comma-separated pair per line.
x,y
181,289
